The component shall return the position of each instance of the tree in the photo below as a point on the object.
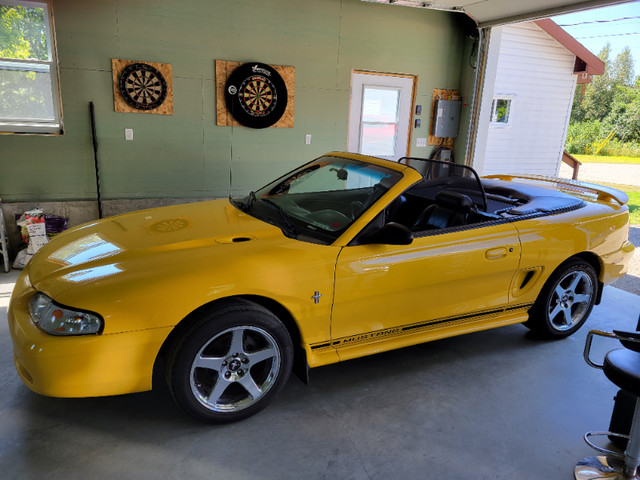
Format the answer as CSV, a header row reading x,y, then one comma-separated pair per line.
x,y
23,36
622,69
598,96
610,102
22,33
624,117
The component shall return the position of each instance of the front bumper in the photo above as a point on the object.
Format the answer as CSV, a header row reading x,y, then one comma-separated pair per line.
x,y
80,366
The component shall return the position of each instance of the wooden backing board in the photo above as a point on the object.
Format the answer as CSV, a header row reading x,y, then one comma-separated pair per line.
x,y
224,68
120,105
441,94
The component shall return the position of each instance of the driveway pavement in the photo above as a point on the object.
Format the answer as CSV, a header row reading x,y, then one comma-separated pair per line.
x,y
622,174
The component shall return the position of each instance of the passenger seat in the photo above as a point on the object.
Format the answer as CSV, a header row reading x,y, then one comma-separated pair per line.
x,y
451,209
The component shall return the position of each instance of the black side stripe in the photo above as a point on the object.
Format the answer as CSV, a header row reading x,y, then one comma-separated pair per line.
x,y
408,328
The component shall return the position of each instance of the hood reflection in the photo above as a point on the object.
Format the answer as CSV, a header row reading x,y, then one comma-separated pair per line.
x,y
85,249
89,274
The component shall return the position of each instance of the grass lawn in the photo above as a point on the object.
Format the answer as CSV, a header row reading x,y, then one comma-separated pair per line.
x,y
603,159
633,192
634,207
634,200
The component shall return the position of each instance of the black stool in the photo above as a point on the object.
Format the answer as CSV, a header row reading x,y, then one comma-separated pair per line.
x,y
622,367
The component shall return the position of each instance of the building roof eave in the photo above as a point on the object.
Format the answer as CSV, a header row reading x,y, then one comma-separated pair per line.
x,y
594,66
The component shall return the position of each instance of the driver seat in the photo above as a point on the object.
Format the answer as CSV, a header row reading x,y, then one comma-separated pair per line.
x,y
450,210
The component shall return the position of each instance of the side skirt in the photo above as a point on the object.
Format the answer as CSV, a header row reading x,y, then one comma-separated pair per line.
x,y
397,337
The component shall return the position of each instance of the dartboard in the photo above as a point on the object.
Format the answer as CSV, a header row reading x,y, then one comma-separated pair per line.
x,y
256,95
142,86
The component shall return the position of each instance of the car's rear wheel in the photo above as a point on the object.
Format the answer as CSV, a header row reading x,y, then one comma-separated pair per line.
x,y
230,364
565,301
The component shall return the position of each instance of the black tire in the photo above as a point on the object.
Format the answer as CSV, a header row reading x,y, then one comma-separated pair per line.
x,y
230,364
565,301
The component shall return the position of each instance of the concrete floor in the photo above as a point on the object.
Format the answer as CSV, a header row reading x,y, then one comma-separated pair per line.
x,y
491,405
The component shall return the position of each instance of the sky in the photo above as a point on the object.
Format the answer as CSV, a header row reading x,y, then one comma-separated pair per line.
x,y
621,32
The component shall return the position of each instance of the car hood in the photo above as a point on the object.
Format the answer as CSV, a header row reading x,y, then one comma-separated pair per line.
x,y
98,250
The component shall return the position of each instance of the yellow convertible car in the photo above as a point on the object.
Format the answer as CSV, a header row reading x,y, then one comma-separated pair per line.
x,y
345,256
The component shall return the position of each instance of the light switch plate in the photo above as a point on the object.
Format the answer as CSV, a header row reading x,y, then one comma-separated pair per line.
x,y
307,139
421,142
128,133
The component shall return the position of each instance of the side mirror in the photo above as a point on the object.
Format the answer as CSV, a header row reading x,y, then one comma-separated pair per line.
x,y
391,234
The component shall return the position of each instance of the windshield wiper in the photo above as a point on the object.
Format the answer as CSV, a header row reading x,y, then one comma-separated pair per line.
x,y
289,229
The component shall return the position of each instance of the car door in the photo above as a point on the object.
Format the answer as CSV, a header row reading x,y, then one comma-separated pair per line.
x,y
449,276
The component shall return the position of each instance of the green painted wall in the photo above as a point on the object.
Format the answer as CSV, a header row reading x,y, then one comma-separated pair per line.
x,y
187,155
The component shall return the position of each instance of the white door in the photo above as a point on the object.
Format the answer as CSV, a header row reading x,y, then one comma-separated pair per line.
x,y
380,115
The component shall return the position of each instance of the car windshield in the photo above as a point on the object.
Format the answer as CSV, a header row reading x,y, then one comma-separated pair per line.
x,y
320,200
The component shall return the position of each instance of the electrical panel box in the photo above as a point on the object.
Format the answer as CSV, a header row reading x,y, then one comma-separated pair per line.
x,y
447,118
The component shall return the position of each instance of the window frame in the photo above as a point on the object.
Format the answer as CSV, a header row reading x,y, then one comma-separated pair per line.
x,y
50,66
492,121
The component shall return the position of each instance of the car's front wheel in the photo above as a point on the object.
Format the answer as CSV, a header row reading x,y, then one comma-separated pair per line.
x,y
565,301
230,364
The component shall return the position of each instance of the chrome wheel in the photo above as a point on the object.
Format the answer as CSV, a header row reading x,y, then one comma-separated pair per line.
x,y
235,369
230,363
570,300
565,301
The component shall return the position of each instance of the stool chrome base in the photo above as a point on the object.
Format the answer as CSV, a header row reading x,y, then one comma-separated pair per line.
x,y
600,468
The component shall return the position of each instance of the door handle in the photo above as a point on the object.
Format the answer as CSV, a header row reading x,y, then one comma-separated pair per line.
x,y
496,253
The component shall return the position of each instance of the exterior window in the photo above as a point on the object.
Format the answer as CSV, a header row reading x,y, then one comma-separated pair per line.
x,y
29,91
501,111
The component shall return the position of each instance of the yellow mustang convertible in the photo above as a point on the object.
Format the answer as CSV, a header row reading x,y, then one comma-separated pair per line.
x,y
344,257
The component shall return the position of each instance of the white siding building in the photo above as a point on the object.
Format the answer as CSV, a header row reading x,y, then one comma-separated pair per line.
x,y
525,111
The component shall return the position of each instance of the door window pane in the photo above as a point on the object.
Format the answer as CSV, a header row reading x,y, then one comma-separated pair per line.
x,y
380,104
379,121
379,114
378,139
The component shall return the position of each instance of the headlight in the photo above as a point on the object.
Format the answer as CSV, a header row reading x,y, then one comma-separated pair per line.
x,y
58,320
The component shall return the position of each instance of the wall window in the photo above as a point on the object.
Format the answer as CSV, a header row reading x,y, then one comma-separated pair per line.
x,y
29,91
501,110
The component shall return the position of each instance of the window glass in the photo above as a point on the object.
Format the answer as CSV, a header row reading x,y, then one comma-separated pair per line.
x,y
320,200
378,139
28,70
29,95
379,121
380,104
501,111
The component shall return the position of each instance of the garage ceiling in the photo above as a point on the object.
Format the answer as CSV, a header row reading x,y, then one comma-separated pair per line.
x,y
488,13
